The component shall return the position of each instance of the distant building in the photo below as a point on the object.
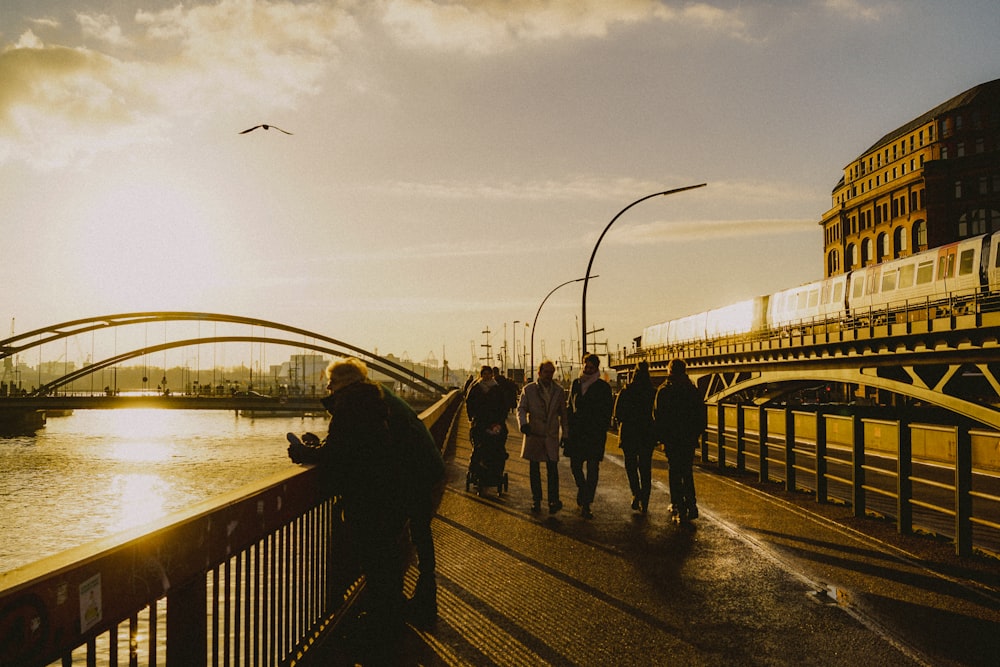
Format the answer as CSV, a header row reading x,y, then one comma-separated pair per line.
x,y
932,181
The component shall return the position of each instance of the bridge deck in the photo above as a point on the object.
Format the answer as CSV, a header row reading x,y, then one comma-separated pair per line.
x,y
762,578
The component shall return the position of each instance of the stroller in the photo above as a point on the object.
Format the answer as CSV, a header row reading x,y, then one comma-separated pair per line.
x,y
489,456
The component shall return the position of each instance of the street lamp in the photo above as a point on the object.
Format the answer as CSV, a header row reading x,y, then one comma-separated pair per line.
x,y
586,276
516,322
532,376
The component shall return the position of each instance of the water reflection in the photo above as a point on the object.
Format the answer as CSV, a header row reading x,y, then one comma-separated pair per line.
x,y
137,498
99,472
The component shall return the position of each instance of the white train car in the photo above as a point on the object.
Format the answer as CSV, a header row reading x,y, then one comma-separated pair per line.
x,y
738,318
813,302
921,279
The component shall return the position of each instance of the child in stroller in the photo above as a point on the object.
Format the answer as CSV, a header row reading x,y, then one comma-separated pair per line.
x,y
487,407
489,456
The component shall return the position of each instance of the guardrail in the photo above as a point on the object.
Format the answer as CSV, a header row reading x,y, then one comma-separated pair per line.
x,y
252,577
943,480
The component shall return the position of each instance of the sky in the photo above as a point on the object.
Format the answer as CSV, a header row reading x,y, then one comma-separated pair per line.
x,y
450,162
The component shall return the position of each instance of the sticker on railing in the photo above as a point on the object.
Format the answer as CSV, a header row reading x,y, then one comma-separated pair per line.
x,y
90,603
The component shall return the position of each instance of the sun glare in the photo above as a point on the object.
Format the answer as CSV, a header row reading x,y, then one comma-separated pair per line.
x,y
149,245
141,498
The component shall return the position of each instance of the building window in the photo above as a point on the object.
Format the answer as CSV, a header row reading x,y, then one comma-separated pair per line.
x,y
983,185
866,252
833,263
851,259
960,149
883,246
899,241
958,189
919,235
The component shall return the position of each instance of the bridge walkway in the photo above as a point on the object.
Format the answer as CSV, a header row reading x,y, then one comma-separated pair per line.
x,y
762,578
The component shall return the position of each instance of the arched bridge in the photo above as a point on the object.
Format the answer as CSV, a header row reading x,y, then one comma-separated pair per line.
x,y
23,342
951,363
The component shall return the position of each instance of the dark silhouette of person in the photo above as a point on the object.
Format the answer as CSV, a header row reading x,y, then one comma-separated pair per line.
x,y
680,420
384,469
487,408
589,414
634,415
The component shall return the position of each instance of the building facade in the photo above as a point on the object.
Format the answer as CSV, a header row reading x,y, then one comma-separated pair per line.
x,y
930,182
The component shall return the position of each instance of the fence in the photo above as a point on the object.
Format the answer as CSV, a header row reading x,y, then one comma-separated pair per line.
x,y
252,577
943,480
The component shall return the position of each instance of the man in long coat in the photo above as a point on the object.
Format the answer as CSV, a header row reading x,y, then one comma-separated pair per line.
x,y
591,403
541,414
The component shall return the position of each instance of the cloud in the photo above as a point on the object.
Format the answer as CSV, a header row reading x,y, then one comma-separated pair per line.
x,y
60,105
492,26
703,230
103,28
861,10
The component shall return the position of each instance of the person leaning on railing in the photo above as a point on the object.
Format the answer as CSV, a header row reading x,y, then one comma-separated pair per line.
x,y
385,468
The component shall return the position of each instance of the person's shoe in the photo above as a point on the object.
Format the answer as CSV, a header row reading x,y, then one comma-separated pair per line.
x,y
644,506
586,513
579,498
536,506
555,506
692,513
635,502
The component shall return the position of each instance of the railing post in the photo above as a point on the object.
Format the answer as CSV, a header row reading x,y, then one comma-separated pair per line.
x,y
789,449
762,432
858,465
963,489
722,435
187,623
740,444
821,483
904,479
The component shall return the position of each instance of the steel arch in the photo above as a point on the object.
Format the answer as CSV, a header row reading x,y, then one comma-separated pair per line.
x,y
792,379
20,342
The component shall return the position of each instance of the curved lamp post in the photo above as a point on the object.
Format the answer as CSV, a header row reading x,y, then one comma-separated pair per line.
x,y
586,276
535,323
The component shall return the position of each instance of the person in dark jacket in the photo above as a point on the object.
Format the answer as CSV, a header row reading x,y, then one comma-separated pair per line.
x,y
487,407
634,414
385,470
589,415
679,422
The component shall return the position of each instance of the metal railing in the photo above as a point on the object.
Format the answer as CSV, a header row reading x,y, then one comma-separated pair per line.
x,y
943,480
252,577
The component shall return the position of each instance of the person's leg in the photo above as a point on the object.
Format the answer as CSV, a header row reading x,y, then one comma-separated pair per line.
x,y
552,477
631,458
535,482
593,474
576,467
644,469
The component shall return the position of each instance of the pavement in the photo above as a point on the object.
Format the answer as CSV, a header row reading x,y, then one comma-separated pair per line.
x,y
763,577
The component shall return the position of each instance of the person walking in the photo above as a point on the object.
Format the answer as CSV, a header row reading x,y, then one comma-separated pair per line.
x,y
487,407
591,404
679,419
634,414
541,416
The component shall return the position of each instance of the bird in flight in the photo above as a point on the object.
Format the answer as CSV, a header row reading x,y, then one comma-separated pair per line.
x,y
266,127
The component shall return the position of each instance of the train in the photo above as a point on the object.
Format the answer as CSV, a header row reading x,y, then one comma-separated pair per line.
x,y
948,280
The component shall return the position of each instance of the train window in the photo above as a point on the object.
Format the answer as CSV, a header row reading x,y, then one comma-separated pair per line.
x,y
965,262
801,300
925,273
838,292
905,276
888,281
813,298
871,283
946,266
859,288
825,296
